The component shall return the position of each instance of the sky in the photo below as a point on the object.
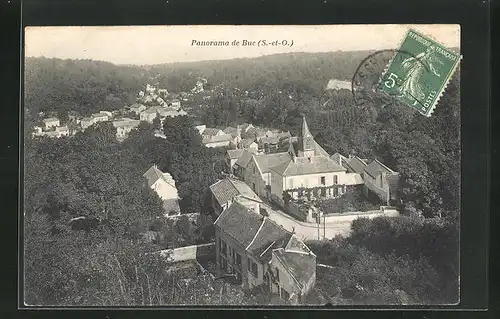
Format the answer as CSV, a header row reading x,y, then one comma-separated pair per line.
x,y
143,45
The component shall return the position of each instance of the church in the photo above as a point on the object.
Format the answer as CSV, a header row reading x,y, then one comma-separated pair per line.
x,y
309,171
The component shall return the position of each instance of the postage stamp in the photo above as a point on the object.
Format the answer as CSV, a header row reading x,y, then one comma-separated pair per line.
x,y
419,72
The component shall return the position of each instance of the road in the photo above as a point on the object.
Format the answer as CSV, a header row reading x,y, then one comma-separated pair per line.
x,y
307,231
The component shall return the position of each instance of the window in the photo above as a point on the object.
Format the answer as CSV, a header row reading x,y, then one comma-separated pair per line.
x,y
335,179
238,260
277,274
223,247
252,267
284,294
323,180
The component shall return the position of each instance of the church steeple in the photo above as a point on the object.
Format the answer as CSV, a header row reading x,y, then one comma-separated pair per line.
x,y
306,140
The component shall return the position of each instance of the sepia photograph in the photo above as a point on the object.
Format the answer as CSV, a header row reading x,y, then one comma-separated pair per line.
x,y
249,165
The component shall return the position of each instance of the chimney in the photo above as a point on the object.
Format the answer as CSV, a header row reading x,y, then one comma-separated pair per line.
x,y
340,160
257,207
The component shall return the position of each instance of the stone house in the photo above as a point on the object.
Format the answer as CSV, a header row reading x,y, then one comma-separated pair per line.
x,y
255,170
222,140
164,186
258,252
137,108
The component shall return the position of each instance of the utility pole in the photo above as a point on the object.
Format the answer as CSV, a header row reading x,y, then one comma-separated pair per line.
x,y
324,226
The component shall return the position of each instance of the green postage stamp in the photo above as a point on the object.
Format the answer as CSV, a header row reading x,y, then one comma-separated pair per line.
x,y
419,72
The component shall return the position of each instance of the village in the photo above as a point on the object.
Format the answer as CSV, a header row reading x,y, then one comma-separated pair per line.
x,y
268,204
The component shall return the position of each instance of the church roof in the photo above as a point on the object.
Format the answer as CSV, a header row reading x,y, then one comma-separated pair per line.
x,y
307,142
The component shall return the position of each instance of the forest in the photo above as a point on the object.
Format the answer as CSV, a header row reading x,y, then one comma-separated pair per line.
x,y
92,175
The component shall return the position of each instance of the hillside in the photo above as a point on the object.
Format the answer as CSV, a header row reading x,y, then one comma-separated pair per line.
x,y
87,86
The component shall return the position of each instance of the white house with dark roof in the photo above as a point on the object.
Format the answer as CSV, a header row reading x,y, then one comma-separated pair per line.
x,y
259,252
164,185
309,169
225,191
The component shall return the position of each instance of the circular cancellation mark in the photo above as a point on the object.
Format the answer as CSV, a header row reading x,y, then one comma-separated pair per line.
x,y
365,83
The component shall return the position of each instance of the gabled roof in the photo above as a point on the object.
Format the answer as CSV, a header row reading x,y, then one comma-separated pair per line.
x,y
357,164
211,131
270,236
269,160
269,140
339,158
230,130
87,119
154,174
152,110
244,159
300,265
125,122
375,168
234,154
240,223
353,179
216,138
227,189
308,165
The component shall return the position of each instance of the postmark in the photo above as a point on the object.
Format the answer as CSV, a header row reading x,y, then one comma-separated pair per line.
x,y
419,72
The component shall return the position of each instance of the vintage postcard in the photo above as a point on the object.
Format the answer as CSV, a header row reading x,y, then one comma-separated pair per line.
x,y
241,165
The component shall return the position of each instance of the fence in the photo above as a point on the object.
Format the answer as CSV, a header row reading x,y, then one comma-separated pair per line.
x,y
350,216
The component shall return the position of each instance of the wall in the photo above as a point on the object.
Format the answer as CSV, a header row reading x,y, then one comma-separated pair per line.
x,y
373,184
277,186
218,144
189,252
285,279
164,190
313,180
350,216
219,234
255,280
251,178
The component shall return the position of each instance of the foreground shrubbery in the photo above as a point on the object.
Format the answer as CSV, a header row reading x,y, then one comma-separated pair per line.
x,y
391,261
351,201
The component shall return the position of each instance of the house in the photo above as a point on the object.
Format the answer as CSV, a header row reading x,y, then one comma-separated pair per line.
x,y
62,131
87,122
222,140
248,143
175,103
107,113
225,191
212,132
124,127
51,122
309,171
201,128
164,186
232,156
353,164
381,181
258,252
257,174
268,144
137,108
99,117
168,112
150,114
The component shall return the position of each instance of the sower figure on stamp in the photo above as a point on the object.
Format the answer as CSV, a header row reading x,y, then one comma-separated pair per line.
x,y
411,86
